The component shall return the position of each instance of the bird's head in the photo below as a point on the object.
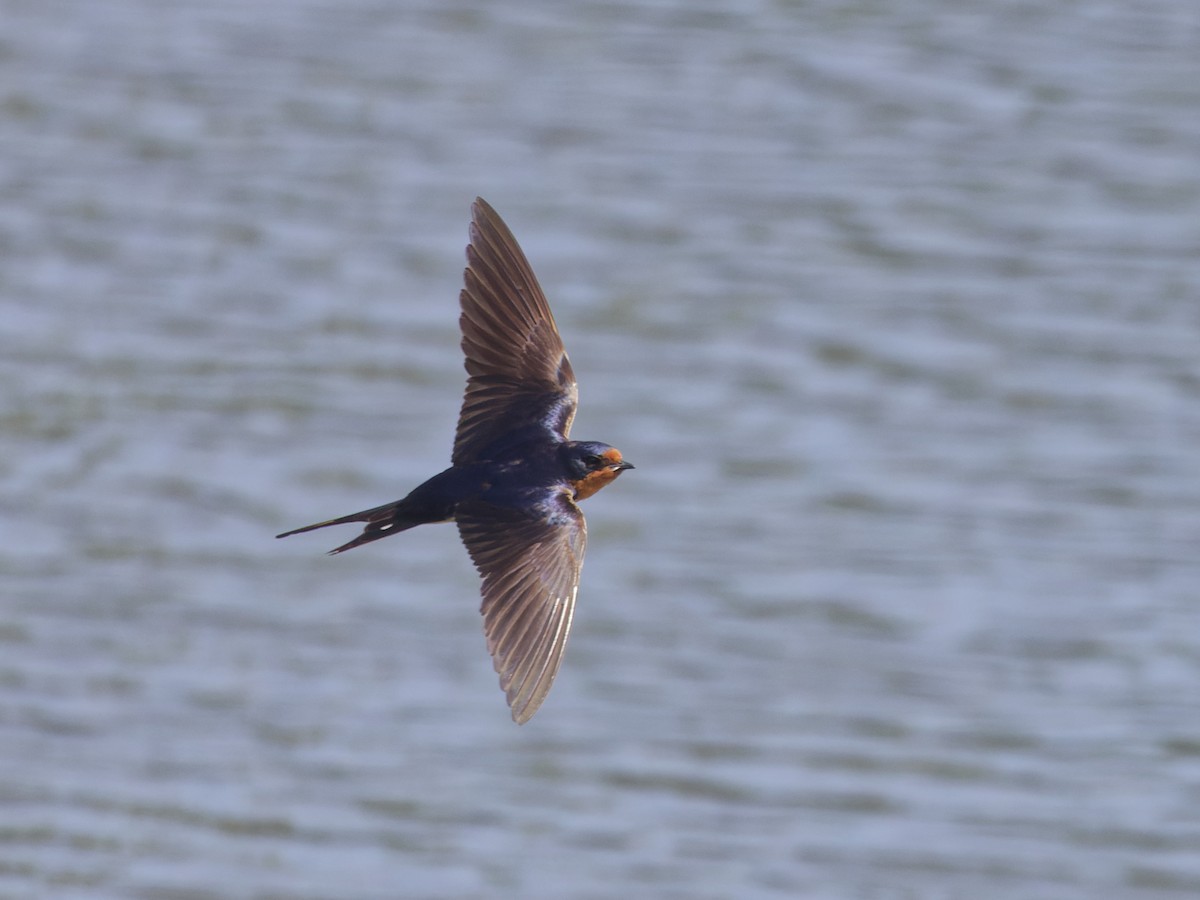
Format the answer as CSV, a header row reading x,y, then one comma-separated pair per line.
x,y
591,465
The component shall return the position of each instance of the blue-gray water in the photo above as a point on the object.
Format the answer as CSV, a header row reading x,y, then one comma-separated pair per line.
x,y
896,307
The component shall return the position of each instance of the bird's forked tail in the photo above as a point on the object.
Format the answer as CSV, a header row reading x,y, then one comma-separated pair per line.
x,y
381,521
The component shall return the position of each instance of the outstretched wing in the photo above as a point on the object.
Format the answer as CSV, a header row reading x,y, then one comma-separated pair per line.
x,y
518,373
530,564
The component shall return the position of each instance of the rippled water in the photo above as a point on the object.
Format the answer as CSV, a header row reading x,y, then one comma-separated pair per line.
x,y
894,306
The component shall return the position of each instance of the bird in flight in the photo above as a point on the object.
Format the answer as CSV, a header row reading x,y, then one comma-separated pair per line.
x,y
515,479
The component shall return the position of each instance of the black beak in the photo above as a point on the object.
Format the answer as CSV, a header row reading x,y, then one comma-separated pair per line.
x,y
622,466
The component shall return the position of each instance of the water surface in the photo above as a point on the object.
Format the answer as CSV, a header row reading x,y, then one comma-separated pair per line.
x,y
894,308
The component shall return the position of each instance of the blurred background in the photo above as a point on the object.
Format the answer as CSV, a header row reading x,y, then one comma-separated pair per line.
x,y
895,306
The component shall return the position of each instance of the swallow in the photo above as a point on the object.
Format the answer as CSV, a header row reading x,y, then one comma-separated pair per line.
x,y
515,479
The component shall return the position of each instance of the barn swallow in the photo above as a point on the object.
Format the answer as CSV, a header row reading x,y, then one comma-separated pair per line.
x,y
515,479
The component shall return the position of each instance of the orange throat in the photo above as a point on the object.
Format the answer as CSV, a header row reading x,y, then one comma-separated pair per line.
x,y
593,481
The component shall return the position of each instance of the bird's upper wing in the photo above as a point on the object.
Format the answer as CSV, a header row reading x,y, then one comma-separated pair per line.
x,y
529,562
518,373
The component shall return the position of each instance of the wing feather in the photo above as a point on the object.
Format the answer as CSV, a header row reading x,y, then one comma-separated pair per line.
x,y
518,374
530,563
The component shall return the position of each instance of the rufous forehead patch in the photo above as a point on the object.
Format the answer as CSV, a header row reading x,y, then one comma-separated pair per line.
x,y
612,454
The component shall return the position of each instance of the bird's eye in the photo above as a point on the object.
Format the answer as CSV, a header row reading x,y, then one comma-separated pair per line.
x,y
593,461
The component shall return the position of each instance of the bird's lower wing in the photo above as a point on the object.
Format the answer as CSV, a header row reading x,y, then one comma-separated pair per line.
x,y
530,563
